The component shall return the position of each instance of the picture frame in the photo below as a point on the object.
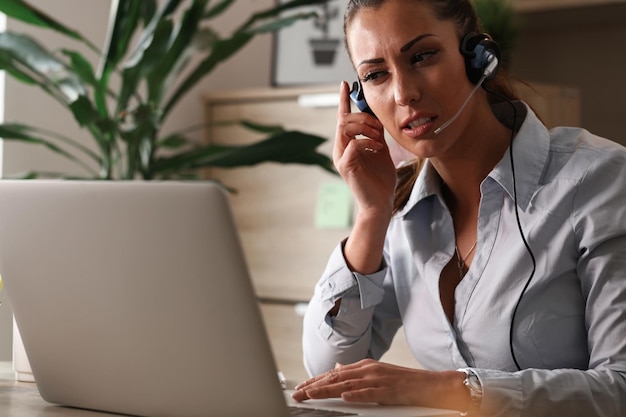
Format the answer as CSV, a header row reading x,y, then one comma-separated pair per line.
x,y
312,51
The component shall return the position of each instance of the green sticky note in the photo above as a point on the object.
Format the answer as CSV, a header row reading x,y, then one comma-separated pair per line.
x,y
334,206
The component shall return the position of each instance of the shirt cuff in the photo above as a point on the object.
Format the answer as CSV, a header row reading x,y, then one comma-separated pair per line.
x,y
359,295
501,391
339,280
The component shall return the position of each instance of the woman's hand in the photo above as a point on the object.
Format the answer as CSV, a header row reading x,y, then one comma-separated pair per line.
x,y
366,166
372,381
365,163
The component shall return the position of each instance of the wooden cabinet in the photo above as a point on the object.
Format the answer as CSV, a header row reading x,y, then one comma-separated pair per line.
x,y
275,204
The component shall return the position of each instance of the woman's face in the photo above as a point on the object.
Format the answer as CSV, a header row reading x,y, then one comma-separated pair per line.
x,y
412,72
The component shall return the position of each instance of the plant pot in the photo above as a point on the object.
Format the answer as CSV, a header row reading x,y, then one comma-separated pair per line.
x,y
324,50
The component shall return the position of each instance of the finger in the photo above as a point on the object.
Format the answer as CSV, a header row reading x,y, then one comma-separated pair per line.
x,y
335,390
351,125
344,98
329,376
367,395
327,379
338,373
343,135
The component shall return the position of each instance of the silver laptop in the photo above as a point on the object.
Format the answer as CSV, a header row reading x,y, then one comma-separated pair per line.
x,y
135,298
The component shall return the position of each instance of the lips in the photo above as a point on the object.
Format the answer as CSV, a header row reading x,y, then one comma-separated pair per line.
x,y
418,125
419,122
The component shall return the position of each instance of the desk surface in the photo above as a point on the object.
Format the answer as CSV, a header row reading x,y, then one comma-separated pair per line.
x,y
21,399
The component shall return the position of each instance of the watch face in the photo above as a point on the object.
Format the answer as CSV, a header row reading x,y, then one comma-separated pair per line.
x,y
474,383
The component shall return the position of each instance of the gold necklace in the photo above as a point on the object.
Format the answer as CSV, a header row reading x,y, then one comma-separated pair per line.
x,y
460,261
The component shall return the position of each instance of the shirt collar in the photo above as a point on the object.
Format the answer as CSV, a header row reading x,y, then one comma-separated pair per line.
x,y
530,153
428,183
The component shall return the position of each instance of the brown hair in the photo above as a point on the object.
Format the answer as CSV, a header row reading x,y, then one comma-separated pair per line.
x,y
463,14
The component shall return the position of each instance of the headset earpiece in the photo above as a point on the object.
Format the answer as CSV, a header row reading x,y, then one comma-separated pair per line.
x,y
477,48
358,97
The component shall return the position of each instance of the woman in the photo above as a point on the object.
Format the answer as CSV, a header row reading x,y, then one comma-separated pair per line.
x,y
506,274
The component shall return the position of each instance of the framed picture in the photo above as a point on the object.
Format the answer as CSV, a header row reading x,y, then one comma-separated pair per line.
x,y
312,51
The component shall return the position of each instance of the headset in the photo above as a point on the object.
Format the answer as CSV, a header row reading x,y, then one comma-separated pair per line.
x,y
479,51
482,58
358,98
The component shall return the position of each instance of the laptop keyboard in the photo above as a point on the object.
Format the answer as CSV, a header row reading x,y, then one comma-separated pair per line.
x,y
316,412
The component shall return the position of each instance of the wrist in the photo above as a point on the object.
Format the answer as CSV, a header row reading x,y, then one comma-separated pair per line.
x,y
473,388
374,214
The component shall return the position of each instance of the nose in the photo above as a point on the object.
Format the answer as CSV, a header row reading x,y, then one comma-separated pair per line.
x,y
406,89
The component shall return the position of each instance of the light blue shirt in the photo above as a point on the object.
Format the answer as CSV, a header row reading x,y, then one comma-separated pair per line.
x,y
569,332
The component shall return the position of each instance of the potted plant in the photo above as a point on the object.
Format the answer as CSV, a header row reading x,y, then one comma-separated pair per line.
x,y
147,53
325,47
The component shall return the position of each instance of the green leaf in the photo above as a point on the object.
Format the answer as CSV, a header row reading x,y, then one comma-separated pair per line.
x,y
31,175
277,10
178,52
19,131
125,16
167,8
16,71
26,13
82,68
261,128
154,44
32,60
285,147
174,142
23,133
140,138
154,56
277,24
223,49
84,111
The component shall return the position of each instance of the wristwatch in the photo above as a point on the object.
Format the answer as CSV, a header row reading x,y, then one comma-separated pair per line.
x,y
475,389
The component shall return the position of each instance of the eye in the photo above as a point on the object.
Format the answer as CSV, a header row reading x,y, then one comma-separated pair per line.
x,y
423,57
372,76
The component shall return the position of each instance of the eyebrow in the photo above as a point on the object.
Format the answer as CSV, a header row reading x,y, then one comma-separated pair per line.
x,y
405,48
414,41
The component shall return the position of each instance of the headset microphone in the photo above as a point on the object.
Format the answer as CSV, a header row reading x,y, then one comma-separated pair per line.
x,y
492,64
